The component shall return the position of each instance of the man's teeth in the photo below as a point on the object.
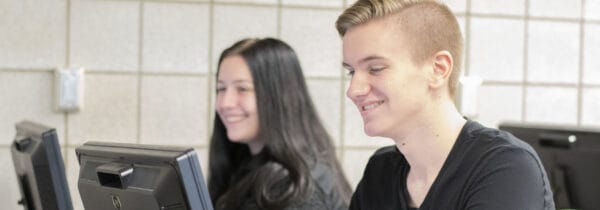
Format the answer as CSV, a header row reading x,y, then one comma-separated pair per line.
x,y
370,106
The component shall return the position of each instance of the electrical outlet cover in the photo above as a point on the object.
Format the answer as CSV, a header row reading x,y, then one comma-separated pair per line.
x,y
69,89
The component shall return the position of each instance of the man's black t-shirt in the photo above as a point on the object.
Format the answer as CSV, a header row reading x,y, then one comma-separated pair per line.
x,y
486,169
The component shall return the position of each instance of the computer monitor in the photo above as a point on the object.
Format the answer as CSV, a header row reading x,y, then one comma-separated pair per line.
x,y
571,157
133,176
40,169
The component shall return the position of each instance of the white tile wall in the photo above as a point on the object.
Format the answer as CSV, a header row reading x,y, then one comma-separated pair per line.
x,y
105,35
457,6
33,34
591,53
110,112
462,22
173,110
499,103
590,112
326,97
553,52
508,7
497,49
348,3
551,105
317,3
233,23
176,37
313,36
555,8
591,9
202,153
27,96
10,194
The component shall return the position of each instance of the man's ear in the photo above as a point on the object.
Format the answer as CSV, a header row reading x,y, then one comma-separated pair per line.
x,y
441,69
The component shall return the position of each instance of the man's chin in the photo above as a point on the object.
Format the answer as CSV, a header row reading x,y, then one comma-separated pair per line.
x,y
370,130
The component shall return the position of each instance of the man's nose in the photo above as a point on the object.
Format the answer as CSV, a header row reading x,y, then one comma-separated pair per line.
x,y
359,86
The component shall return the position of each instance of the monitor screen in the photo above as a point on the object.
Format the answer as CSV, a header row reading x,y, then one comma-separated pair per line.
x,y
40,170
133,176
570,156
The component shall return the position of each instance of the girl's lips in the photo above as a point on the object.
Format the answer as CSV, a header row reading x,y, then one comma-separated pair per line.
x,y
233,119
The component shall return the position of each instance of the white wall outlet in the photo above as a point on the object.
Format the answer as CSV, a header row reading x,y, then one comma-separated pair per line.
x,y
69,89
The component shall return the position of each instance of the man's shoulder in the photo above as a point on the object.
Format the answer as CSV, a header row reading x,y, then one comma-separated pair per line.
x,y
386,154
485,144
485,136
391,149
378,188
383,159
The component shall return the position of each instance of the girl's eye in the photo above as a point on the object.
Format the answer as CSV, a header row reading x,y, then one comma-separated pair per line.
x,y
220,89
244,89
350,72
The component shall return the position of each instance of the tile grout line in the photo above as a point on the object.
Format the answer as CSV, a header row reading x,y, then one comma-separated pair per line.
x,y
118,72
209,89
67,63
536,84
342,120
581,64
68,34
279,14
139,71
342,104
467,44
525,63
65,145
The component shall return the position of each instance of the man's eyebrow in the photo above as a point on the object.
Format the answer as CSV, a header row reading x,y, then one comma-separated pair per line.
x,y
371,57
365,59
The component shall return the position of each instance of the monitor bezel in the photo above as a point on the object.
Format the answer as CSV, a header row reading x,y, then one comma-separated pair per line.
x,y
36,148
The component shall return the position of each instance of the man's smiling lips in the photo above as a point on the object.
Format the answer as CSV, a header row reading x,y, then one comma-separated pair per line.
x,y
366,107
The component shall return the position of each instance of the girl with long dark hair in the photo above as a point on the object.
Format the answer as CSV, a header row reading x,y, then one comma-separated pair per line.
x,y
269,149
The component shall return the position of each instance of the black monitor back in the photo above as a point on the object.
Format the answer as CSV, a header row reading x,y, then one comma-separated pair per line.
x,y
39,166
132,176
571,157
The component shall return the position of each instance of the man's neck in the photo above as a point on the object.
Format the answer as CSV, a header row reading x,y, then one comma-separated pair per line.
x,y
426,148
428,145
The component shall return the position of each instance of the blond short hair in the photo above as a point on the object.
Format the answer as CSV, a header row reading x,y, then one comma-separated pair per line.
x,y
429,27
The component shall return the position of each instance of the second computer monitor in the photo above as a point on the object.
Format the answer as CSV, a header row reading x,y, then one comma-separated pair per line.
x,y
570,156
132,176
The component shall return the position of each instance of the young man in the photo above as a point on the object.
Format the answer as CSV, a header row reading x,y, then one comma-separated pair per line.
x,y
404,58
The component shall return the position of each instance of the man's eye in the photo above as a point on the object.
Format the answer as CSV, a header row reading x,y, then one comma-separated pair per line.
x,y
376,69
